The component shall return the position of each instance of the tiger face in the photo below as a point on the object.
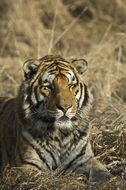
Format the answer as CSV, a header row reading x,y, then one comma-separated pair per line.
x,y
53,91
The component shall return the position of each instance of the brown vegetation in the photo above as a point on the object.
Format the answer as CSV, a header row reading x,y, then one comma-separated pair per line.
x,y
91,29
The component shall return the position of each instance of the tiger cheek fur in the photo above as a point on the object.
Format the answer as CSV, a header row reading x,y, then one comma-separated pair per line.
x,y
48,120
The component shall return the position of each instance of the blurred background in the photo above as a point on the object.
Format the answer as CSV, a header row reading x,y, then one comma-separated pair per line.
x,y
31,28
92,29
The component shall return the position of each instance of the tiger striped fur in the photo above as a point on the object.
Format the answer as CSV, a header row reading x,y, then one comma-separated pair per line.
x,y
46,126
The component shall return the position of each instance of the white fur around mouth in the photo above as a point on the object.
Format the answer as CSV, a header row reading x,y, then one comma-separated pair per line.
x,y
63,124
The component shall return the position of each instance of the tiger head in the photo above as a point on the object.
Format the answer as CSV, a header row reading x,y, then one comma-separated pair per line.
x,y
53,91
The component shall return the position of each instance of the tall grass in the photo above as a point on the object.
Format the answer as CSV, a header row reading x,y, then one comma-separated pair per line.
x,y
31,29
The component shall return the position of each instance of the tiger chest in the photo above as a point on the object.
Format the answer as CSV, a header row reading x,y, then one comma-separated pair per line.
x,y
53,154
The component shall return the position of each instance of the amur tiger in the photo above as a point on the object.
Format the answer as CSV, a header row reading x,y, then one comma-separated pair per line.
x,y
46,126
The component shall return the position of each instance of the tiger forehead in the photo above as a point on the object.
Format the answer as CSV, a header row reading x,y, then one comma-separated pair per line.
x,y
52,63
60,68
56,67
57,71
53,58
49,68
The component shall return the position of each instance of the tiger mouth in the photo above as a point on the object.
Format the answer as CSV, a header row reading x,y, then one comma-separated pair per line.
x,y
53,119
64,118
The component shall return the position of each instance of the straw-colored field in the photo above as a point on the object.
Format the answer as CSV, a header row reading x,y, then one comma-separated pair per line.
x,y
95,30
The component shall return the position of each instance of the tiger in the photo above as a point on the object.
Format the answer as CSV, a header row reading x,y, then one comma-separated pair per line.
x,y
46,126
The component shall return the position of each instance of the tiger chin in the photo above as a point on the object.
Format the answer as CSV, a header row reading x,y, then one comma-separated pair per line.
x,y
46,126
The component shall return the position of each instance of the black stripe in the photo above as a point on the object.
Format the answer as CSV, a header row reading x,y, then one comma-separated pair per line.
x,y
61,64
76,78
52,71
64,67
64,134
32,105
66,70
80,95
81,88
38,152
50,66
44,94
63,61
31,163
34,81
78,155
73,141
35,92
51,154
76,92
51,58
38,78
57,140
29,93
30,89
40,81
77,167
86,96
83,133
55,64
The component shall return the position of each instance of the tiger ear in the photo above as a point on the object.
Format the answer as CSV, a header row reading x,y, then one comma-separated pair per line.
x,y
30,67
81,65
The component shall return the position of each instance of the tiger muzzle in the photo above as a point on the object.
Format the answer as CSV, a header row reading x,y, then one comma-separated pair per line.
x,y
64,108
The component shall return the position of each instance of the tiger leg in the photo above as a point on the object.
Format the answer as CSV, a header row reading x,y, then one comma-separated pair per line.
x,y
94,170
97,171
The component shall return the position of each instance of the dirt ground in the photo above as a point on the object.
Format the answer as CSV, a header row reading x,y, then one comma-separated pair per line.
x,y
94,30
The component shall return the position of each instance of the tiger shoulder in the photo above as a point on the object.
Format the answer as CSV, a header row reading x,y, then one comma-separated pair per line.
x,y
46,126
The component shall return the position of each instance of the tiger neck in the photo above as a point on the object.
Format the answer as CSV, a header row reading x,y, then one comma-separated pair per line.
x,y
43,131
65,137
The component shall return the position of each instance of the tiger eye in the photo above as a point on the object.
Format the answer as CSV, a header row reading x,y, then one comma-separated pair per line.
x,y
45,81
73,78
76,92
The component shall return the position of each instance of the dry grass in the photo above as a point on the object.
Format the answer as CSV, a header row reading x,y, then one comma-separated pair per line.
x,y
94,30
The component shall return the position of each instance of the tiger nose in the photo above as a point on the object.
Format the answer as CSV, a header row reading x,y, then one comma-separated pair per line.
x,y
64,107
